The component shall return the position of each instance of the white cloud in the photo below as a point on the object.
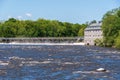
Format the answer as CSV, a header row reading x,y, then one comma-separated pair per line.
x,y
19,17
28,14
9,17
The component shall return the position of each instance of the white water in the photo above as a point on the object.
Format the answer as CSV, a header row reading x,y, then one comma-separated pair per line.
x,y
14,43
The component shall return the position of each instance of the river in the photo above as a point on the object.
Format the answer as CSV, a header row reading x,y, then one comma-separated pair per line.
x,y
60,62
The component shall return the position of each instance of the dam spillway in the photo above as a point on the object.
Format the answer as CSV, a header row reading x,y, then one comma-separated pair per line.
x,y
43,40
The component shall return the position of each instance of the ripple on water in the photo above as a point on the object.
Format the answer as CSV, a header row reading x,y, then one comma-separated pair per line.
x,y
59,63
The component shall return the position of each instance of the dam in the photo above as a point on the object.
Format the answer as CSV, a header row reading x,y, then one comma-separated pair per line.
x,y
43,40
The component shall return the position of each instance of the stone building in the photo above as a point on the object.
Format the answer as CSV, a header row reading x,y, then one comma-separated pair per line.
x,y
92,32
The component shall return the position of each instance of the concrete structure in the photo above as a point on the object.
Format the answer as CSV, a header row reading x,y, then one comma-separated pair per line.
x,y
92,32
42,40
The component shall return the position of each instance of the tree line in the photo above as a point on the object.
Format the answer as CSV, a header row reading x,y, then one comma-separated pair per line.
x,y
40,28
111,28
54,28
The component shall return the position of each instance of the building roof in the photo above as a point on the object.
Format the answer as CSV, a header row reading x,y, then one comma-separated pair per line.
x,y
94,26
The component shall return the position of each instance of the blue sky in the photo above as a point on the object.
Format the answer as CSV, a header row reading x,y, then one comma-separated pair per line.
x,y
74,11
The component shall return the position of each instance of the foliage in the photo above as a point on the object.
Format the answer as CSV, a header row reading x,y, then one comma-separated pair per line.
x,y
99,42
81,31
111,28
117,41
40,28
94,21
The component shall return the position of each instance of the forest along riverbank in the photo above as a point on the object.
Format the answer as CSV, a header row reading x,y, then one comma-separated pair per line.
x,y
62,62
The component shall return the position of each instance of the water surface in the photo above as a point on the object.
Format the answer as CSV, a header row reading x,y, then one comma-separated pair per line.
x,y
64,62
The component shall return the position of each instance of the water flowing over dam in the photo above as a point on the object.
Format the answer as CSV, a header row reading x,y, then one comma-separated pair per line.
x,y
43,40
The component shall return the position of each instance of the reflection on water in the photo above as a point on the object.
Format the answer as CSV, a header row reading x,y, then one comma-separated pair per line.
x,y
58,62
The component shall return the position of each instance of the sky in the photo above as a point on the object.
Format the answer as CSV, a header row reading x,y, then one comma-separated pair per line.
x,y
73,11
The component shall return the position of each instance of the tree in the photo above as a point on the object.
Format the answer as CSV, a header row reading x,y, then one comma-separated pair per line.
x,y
94,21
39,28
99,42
117,42
111,27
81,30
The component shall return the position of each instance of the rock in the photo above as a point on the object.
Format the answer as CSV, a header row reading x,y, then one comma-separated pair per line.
x,y
101,70
3,72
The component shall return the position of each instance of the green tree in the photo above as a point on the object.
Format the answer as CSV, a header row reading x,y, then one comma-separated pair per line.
x,y
39,28
94,21
81,30
117,42
99,42
111,27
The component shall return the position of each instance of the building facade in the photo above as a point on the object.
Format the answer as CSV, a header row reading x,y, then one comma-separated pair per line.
x,y
92,32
